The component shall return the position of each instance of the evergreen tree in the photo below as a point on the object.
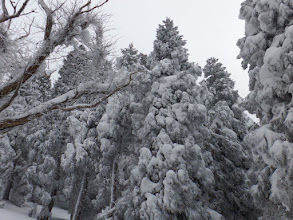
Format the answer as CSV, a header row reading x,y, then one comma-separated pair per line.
x,y
79,163
131,59
45,146
231,157
117,137
73,71
267,49
171,178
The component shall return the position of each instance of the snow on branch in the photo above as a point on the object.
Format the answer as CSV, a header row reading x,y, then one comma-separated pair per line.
x,y
84,106
106,214
55,103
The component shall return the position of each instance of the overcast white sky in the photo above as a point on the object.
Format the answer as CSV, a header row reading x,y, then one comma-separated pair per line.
x,y
211,28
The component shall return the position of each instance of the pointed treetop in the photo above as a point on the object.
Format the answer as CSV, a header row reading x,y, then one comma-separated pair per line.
x,y
215,71
219,83
212,67
168,41
129,55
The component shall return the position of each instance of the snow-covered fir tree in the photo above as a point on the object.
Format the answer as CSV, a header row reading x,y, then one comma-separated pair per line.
x,y
170,178
266,49
45,176
231,157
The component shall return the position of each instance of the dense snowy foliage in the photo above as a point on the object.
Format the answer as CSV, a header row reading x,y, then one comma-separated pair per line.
x,y
231,157
141,137
267,50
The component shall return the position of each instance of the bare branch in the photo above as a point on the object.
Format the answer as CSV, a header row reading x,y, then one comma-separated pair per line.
x,y
60,6
53,104
14,6
27,33
6,17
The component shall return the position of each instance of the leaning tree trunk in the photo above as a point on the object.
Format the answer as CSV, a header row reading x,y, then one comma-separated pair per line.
x,y
76,212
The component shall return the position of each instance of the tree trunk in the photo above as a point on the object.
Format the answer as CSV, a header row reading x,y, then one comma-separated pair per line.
x,y
45,213
113,185
8,189
76,212
9,185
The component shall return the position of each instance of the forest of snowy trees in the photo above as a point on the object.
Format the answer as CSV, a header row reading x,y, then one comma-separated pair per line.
x,y
145,136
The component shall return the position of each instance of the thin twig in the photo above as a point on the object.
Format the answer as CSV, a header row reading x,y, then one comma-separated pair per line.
x,y
27,32
93,8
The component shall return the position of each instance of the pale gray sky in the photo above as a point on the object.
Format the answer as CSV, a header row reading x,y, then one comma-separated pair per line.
x,y
211,28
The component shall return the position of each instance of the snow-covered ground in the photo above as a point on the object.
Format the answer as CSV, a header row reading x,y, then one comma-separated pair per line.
x,y
12,212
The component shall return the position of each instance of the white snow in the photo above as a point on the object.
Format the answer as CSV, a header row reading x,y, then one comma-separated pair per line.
x,y
289,32
214,215
12,212
273,56
147,186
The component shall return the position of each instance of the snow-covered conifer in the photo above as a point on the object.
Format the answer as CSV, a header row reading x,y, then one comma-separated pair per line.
x,y
131,59
267,49
73,70
231,158
171,178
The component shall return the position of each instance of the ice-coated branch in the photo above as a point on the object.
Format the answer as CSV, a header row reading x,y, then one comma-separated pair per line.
x,y
83,89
